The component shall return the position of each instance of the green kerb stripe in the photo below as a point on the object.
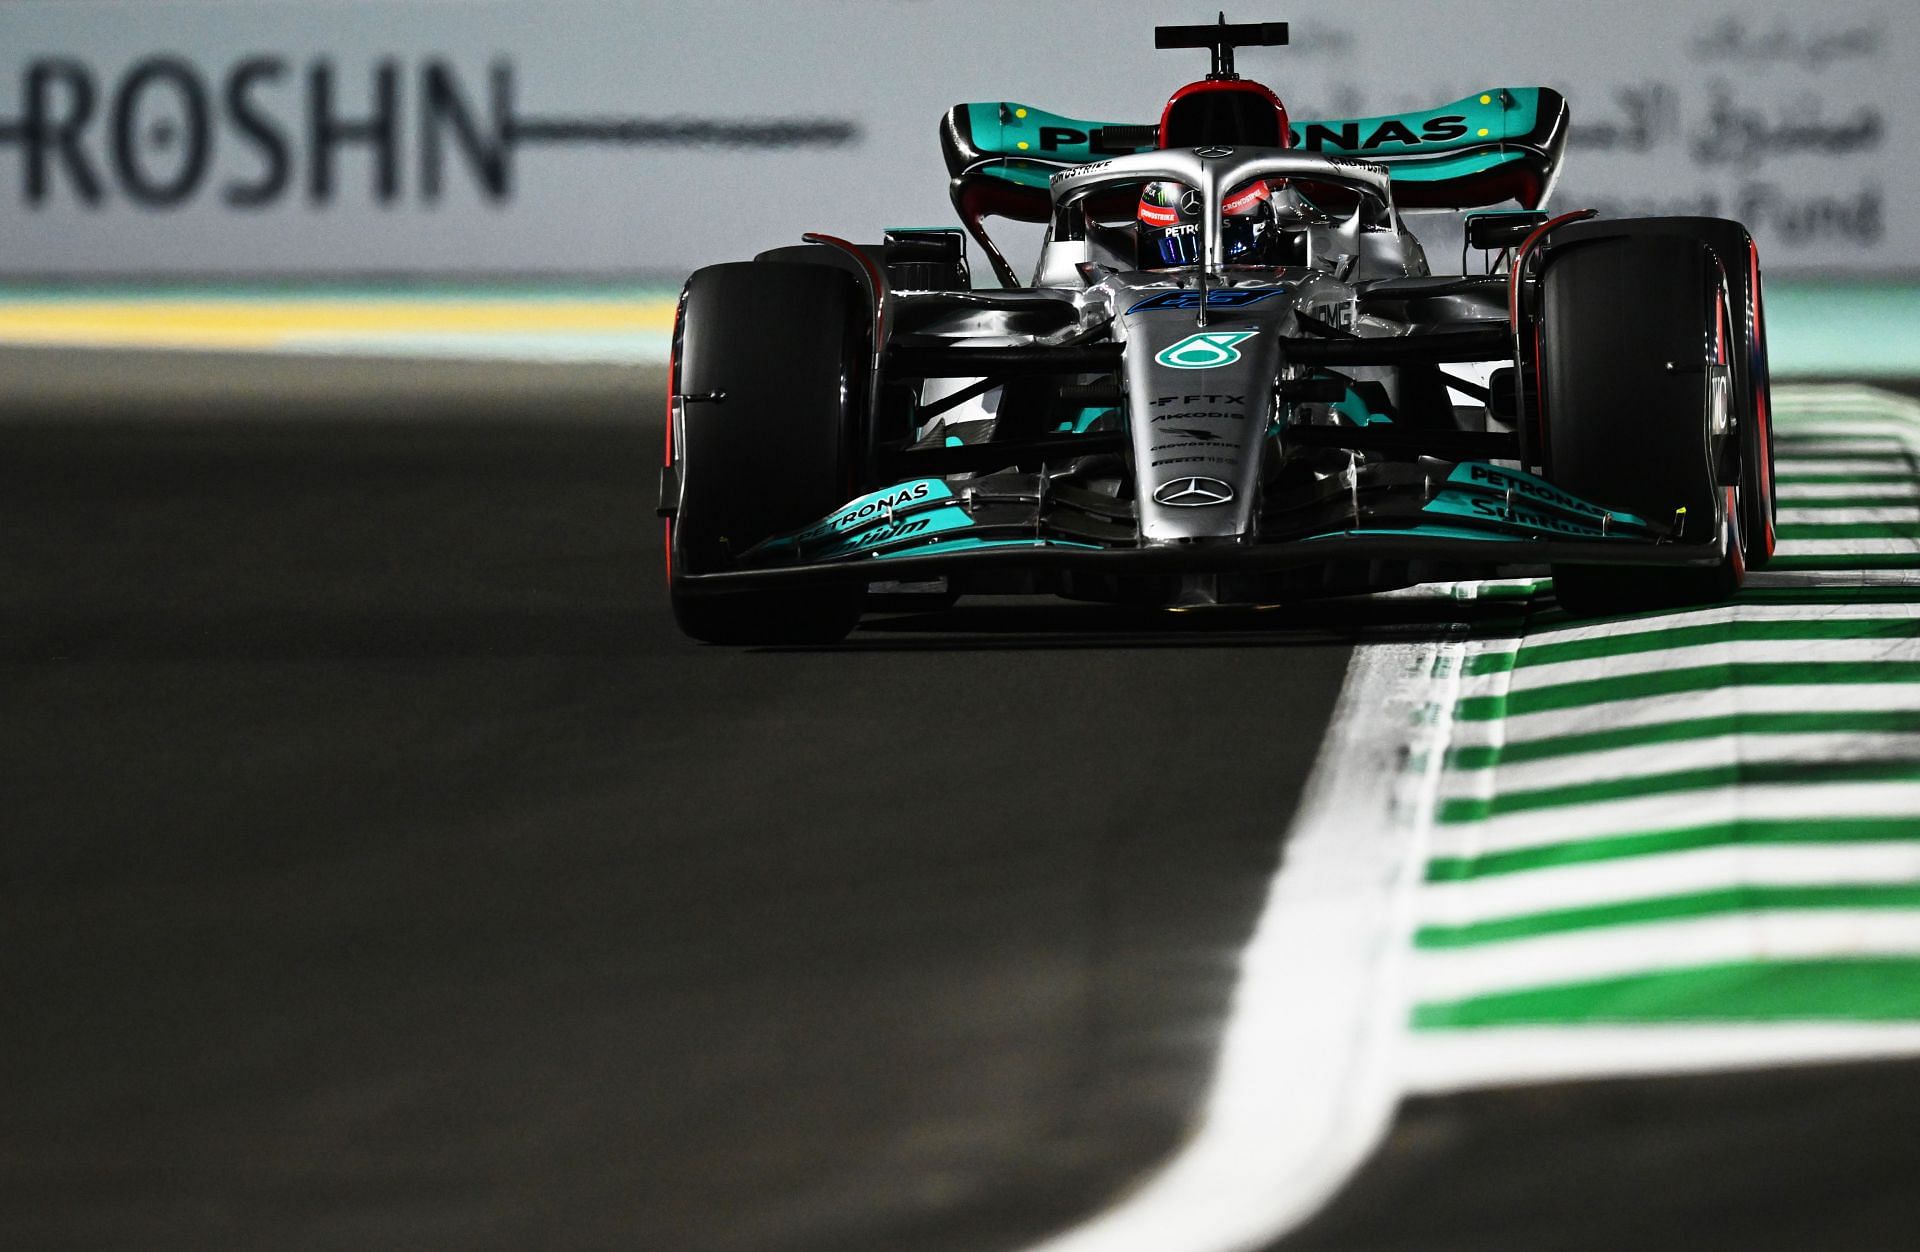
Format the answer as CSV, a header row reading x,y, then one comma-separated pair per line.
x,y
1849,530
1854,989
1675,681
1754,831
1671,908
1744,773
1846,722
1737,631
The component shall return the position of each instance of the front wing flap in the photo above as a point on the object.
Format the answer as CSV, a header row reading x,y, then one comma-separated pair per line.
x,y
1468,512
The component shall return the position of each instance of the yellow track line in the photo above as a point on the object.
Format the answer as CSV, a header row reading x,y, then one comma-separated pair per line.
x,y
254,323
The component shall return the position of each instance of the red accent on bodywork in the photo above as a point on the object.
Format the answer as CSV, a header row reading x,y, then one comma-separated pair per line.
x,y
993,197
1520,259
1764,444
666,456
1513,317
1247,200
1516,181
876,281
1240,85
1163,216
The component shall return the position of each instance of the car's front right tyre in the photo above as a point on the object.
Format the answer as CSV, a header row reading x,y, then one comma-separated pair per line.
x,y
765,386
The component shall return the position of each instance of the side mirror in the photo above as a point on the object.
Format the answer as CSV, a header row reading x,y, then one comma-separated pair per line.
x,y
1496,231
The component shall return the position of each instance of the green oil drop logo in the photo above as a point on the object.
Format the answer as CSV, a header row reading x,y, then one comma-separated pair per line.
x,y
1204,351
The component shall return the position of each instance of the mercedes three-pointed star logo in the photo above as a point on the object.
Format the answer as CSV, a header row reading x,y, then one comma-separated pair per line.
x,y
1193,493
1213,152
1190,203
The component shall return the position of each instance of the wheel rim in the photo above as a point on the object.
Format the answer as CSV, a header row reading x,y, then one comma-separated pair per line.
x,y
1718,392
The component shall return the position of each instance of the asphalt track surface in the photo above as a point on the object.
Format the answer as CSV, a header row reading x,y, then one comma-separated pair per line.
x,y
382,869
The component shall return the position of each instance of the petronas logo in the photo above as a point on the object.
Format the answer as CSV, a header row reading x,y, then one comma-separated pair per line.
x,y
1205,350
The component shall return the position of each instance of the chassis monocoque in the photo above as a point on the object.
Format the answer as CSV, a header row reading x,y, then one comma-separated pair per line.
x,y
1336,418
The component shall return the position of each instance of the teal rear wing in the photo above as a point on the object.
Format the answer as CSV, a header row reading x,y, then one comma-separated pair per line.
x,y
1476,152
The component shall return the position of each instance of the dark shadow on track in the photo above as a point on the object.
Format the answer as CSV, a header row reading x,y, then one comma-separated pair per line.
x,y
1788,1160
290,634
1007,623
382,869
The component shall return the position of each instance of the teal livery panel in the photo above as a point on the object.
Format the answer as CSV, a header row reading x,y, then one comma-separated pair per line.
x,y
1478,151
1475,500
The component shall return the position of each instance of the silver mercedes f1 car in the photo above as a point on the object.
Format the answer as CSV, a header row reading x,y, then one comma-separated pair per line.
x,y
1233,378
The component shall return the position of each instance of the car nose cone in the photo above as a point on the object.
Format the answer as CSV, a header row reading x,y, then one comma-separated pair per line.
x,y
1193,493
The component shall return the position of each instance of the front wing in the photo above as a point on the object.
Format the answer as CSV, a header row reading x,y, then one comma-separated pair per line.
x,y
1471,516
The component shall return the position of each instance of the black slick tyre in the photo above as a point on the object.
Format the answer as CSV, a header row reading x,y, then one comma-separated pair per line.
x,y
1746,353
768,364
1634,336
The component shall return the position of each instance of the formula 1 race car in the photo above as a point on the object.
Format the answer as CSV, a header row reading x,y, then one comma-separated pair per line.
x,y
1233,379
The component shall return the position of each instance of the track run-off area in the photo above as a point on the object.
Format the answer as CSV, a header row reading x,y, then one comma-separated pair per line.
x,y
1655,844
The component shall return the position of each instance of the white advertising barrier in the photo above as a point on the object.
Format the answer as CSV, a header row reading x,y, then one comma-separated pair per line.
x,y
652,136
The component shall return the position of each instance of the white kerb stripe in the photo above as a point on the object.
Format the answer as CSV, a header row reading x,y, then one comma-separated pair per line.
x,y
1718,652
1889,443
1686,705
1848,547
1891,515
1626,951
1786,493
1643,760
1453,1060
1800,802
1789,468
1719,615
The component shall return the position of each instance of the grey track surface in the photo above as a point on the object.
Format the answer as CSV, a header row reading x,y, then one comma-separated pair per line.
x,y
382,870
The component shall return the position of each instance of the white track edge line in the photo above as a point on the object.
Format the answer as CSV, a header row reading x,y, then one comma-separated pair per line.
x,y
1308,1073
1442,1060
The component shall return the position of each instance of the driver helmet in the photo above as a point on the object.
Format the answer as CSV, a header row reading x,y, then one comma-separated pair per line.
x,y
1170,216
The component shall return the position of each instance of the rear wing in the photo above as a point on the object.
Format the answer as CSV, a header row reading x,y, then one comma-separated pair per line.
x,y
1481,150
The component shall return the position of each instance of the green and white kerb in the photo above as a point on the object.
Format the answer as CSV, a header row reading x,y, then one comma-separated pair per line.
x,y
1692,839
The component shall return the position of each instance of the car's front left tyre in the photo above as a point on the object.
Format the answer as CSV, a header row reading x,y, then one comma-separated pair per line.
x,y
1746,331
1637,395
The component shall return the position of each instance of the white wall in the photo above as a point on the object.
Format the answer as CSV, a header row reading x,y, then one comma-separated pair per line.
x,y
1798,119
